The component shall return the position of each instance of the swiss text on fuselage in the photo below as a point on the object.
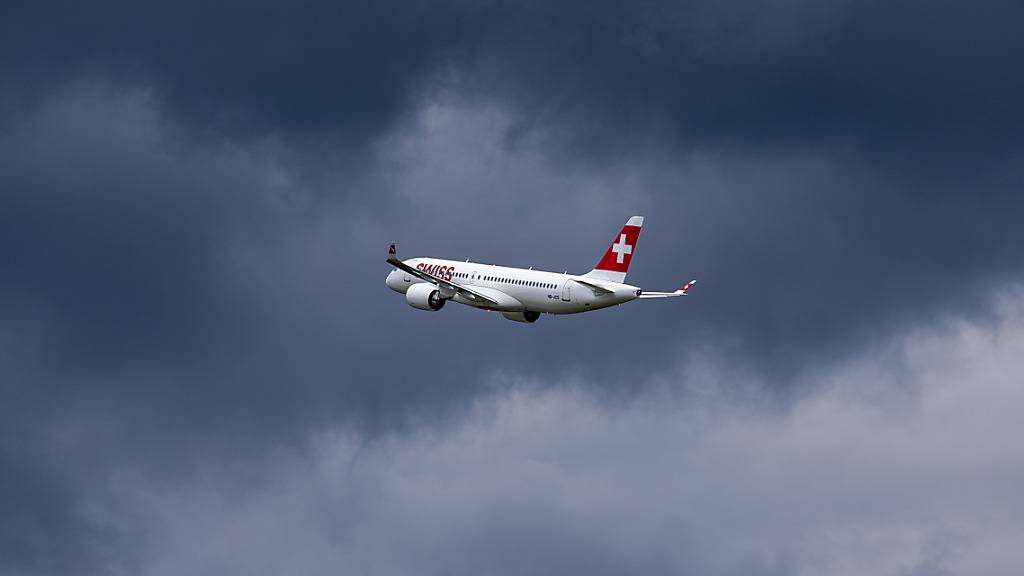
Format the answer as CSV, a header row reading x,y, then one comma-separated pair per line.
x,y
442,272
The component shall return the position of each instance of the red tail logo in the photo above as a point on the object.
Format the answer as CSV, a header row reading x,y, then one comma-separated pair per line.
x,y
617,258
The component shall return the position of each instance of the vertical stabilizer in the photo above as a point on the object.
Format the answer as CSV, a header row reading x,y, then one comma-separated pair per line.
x,y
615,262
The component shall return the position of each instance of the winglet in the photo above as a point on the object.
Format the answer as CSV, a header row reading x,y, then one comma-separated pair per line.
x,y
687,287
392,252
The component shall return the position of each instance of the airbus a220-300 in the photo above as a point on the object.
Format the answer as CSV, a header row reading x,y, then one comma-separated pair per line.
x,y
523,294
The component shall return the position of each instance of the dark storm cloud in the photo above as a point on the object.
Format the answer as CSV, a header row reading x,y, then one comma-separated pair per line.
x,y
156,271
241,64
918,81
194,203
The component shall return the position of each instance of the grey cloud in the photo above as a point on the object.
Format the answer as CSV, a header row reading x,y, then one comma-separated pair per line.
x,y
232,281
800,253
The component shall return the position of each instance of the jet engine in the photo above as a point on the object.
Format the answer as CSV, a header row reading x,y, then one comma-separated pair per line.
x,y
528,316
425,297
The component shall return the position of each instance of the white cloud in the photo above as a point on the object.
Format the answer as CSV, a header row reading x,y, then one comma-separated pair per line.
x,y
904,461
488,171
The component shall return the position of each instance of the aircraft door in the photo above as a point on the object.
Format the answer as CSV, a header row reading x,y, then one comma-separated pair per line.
x,y
565,291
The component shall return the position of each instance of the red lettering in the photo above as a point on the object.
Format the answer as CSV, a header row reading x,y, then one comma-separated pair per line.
x,y
443,272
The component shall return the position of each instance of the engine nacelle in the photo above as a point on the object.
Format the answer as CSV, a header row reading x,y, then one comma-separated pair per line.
x,y
528,316
425,297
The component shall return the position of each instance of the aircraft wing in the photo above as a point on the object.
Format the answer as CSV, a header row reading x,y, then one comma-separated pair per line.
x,y
680,292
448,288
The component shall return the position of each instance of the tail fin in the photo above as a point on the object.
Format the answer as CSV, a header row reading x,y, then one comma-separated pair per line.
x,y
615,262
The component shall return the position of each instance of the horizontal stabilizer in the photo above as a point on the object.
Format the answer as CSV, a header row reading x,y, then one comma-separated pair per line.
x,y
680,292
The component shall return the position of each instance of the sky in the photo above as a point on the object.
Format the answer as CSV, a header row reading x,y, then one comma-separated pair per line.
x,y
202,372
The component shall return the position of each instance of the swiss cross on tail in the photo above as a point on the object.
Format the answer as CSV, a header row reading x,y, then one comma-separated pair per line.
x,y
622,248
616,258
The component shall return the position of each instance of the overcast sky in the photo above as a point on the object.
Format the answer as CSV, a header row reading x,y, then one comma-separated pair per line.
x,y
202,372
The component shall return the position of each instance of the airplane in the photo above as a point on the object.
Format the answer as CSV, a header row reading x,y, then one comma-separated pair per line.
x,y
522,295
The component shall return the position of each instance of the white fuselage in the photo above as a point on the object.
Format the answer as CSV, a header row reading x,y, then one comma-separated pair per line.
x,y
517,289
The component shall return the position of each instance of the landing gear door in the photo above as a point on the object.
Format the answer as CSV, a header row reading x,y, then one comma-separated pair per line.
x,y
565,291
